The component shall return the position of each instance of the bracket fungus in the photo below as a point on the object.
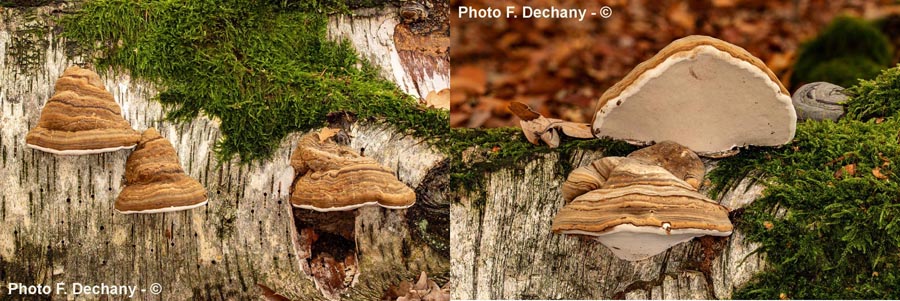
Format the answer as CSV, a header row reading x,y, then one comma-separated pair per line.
x,y
677,159
155,181
819,101
641,205
81,118
641,211
535,126
704,93
588,178
424,289
332,177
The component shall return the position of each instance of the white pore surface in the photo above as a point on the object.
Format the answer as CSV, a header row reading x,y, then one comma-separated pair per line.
x,y
163,210
76,152
704,99
346,208
632,243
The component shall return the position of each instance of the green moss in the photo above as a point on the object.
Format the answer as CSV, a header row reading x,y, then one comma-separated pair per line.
x,y
875,98
839,235
847,42
845,71
265,69
478,152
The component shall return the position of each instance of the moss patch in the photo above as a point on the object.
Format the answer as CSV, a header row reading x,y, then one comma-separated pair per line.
x,y
839,234
847,50
478,152
264,68
875,98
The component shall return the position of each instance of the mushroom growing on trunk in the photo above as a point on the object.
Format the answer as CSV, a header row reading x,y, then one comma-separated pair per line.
x,y
81,118
704,93
332,177
331,180
155,181
642,210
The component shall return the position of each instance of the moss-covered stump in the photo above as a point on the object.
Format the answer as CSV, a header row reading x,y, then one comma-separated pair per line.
x,y
57,222
502,246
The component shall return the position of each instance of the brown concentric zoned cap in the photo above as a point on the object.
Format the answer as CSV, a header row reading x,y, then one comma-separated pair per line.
x,y
677,159
588,178
704,93
641,211
332,177
155,181
81,118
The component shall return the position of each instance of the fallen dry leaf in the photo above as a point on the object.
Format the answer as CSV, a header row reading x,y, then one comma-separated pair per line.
x,y
438,100
848,170
326,133
534,125
877,173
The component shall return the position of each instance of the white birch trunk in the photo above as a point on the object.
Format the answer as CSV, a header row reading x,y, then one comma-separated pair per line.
x,y
57,222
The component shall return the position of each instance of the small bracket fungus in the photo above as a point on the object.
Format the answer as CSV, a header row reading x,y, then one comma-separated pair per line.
x,y
534,126
588,178
423,290
81,118
332,177
819,101
641,210
413,10
704,93
155,181
677,159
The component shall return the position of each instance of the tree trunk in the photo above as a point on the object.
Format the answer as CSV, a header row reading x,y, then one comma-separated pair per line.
x,y
58,225
503,248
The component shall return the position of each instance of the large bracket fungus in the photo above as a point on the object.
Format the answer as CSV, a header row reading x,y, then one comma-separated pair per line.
x,y
155,181
81,118
641,205
331,180
704,93
332,177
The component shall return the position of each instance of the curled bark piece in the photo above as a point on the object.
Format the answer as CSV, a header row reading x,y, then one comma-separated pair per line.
x,y
155,181
534,125
332,177
81,118
704,93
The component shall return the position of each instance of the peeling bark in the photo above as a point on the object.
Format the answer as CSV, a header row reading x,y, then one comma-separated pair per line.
x,y
419,64
57,222
503,248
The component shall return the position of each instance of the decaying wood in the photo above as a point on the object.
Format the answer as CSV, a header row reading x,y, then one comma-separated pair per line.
x,y
57,222
503,247
418,64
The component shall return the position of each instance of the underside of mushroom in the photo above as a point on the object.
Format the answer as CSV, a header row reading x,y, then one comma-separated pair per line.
x,y
706,94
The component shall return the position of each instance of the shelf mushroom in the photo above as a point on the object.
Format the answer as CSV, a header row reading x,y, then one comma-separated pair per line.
x,y
675,158
704,93
332,177
81,118
641,210
155,181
